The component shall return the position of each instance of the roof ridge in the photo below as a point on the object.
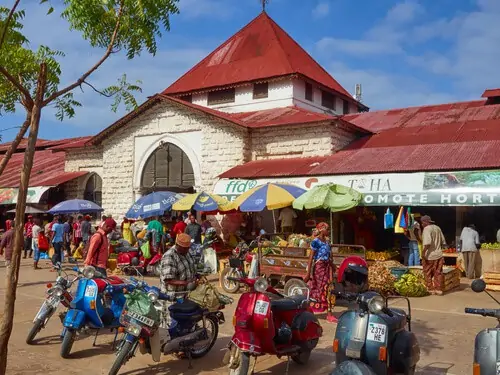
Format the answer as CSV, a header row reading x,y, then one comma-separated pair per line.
x,y
273,26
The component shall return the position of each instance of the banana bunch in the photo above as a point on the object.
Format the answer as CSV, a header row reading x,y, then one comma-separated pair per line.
x,y
411,286
380,255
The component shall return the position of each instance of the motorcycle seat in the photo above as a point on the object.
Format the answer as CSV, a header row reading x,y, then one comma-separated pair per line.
x,y
288,303
398,321
186,307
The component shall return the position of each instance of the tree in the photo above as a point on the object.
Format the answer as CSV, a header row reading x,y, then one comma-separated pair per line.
x,y
30,79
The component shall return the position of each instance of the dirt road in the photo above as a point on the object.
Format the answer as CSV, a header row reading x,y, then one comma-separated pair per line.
x,y
445,333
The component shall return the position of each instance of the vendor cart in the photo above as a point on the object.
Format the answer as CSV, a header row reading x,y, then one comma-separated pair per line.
x,y
287,266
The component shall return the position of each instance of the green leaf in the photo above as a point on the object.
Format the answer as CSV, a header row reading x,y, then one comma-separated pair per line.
x,y
51,9
43,1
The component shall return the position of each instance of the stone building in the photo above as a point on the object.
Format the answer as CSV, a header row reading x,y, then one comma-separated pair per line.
x,y
257,96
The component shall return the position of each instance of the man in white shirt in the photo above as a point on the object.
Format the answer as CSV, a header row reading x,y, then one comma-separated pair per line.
x,y
286,219
469,243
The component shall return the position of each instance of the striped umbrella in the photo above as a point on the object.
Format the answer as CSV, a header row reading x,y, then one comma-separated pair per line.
x,y
202,202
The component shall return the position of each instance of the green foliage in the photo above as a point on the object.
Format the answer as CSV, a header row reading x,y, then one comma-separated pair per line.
x,y
136,25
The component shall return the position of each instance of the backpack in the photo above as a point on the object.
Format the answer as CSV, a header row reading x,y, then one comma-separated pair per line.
x,y
43,242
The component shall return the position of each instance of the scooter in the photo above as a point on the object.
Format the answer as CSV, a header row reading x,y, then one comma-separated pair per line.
x,y
236,270
266,322
97,304
130,259
56,294
190,325
486,355
375,339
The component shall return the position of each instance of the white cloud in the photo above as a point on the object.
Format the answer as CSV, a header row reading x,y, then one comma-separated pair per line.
x,y
321,10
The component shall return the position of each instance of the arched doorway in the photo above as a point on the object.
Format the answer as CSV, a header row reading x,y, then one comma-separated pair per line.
x,y
168,168
93,189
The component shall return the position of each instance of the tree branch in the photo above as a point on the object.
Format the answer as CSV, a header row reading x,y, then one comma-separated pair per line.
x,y
15,142
108,52
7,21
27,96
97,90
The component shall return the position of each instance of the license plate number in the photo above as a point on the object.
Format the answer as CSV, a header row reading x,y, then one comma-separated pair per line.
x,y
261,308
141,319
90,291
376,332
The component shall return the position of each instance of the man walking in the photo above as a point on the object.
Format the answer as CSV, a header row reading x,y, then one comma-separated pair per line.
x,y
68,235
469,244
414,235
57,240
432,255
7,245
98,252
86,229
28,237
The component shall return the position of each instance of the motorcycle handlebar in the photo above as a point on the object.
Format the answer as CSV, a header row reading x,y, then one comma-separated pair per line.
x,y
347,296
484,312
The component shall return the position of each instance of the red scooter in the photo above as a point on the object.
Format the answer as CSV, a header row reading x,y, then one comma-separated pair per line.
x,y
133,258
266,322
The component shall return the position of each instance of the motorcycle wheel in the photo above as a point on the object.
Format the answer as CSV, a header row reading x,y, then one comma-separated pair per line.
x,y
303,356
214,323
67,343
291,284
229,286
243,365
121,358
37,327
352,368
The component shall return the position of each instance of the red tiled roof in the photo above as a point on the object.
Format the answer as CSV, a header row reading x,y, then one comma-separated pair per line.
x,y
274,168
48,170
426,115
260,50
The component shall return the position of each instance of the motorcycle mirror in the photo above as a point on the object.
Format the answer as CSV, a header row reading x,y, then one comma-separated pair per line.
x,y
478,285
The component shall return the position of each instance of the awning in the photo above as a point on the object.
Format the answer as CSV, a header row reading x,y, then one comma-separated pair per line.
x,y
464,188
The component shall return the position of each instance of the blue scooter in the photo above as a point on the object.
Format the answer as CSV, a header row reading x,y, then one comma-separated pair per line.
x,y
375,339
98,304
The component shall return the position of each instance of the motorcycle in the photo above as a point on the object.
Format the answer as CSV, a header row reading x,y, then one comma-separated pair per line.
x,y
375,339
97,304
141,328
266,322
486,357
56,294
132,258
236,269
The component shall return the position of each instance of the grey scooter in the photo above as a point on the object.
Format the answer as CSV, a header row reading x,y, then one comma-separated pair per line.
x,y
486,353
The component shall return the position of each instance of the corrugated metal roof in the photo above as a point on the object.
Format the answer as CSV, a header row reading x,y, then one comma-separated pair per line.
x,y
431,115
48,170
274,168
280,116
491,93
72,143
260,50
43,143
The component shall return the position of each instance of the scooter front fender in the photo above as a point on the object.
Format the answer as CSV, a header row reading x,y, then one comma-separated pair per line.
x,y
74,319
247,341
485,350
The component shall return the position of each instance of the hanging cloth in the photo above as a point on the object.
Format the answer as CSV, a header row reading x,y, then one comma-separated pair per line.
x,y
411,219
403,221
388,219
397,226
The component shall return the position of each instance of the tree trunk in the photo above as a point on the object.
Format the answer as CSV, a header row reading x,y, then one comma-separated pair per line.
x,y
15,142
7,320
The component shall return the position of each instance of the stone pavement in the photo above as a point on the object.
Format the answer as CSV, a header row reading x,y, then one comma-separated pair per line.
x,y
445,333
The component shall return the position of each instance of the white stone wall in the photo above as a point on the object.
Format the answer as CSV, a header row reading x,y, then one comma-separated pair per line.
x,y
280,95
222,147
298,141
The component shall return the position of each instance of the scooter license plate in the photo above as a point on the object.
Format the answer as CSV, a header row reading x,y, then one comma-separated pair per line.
x,y
376,332
261,307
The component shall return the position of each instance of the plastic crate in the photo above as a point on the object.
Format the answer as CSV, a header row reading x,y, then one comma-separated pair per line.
x,y
397,272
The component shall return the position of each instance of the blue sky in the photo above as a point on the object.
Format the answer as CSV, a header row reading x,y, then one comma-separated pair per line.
x,y
403,53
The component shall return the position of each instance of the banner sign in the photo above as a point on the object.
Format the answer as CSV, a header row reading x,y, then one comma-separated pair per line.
x,y
467,188
9,195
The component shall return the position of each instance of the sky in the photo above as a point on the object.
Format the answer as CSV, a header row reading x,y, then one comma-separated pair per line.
x,y
403,52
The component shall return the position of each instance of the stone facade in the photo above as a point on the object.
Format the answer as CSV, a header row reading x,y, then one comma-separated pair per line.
x,y
298,141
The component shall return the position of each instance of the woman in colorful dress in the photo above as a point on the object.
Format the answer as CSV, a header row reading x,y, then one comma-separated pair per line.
x,y
320,274
127,231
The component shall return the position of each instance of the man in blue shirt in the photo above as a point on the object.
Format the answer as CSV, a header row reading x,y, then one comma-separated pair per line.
x,y
57,240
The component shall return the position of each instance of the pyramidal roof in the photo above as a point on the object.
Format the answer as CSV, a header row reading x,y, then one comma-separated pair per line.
x,y
260,50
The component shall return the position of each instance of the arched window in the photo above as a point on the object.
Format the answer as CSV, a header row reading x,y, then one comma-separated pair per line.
x,y
168,168
93,189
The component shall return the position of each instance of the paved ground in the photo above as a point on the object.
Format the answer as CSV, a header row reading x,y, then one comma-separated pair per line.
x,y
445,333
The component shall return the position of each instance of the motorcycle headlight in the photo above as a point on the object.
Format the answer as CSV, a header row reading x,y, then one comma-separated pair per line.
x,y
89,272
134,329
261,285
376,304
153,297
59,292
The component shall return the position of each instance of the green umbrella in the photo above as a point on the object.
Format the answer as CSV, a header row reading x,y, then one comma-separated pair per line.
x,y
332,197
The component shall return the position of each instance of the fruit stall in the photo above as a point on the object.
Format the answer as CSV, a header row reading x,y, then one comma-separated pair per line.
x,y
490,257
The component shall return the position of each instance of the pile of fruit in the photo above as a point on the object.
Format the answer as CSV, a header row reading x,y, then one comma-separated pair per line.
x,y
411,285
299,240
381,255
380,278
350,250
491,246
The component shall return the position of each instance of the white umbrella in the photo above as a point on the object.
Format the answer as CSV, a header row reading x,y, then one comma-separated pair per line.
x,y
29,210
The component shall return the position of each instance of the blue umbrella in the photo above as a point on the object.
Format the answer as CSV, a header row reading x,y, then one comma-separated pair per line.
x,y
154,204
74,206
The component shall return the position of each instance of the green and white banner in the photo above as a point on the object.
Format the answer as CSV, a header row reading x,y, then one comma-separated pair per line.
x,y
465,188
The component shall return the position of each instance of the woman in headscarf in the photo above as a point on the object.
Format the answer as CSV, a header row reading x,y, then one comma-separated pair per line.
x,y
320,273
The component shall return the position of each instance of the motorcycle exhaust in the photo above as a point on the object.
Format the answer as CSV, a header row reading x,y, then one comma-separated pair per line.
x,y
179,343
